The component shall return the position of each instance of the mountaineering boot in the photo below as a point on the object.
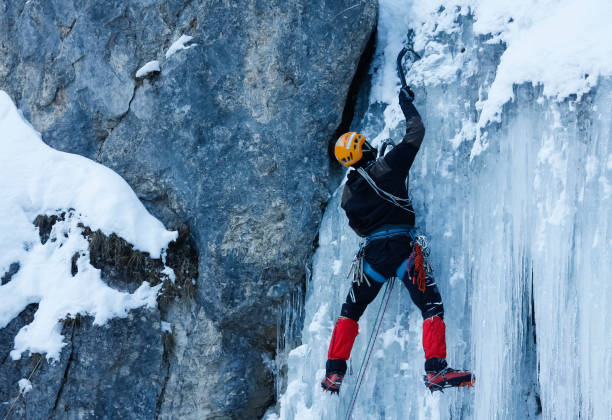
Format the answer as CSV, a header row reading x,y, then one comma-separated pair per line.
x,y
332,383
439,376
334,373
437,373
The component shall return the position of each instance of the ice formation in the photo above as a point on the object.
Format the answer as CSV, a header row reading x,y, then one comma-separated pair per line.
x,y
513,186
37,180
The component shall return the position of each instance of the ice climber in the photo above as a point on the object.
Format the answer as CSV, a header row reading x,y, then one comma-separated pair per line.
x,y
375,199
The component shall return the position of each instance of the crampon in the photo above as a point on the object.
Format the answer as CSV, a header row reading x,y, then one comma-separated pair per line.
x,y
448,378
332,383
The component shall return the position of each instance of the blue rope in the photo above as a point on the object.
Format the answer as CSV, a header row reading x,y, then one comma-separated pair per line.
x,y
373,335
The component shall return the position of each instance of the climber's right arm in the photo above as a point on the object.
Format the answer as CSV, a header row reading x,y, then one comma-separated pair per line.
x,y
400,158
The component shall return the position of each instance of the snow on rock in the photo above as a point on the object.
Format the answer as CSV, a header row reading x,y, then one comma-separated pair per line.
x,y
40,180
179,44
25,386
169,272
150,67
37,180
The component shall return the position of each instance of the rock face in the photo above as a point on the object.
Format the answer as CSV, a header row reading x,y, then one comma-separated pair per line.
x,y
229,138
115,371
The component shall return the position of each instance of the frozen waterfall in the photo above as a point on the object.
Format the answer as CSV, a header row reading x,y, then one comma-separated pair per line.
x,y
513,186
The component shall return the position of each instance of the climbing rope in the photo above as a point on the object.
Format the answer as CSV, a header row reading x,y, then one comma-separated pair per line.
x,y
8,413
403,203
373,335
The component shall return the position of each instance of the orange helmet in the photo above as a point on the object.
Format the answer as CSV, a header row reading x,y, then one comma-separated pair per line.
x,y
349,148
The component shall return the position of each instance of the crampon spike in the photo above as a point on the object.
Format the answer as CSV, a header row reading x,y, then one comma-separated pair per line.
x,y
448,378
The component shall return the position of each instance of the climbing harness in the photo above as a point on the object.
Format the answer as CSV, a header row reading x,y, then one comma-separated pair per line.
x,y
423,243
388,232
419,268
421,263
359,266
403,203
357,269
366,357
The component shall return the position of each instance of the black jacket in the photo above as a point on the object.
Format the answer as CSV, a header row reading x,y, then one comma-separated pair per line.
x,y
365,210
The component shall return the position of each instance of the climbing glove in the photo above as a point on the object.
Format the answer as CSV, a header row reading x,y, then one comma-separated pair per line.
x,y
406,96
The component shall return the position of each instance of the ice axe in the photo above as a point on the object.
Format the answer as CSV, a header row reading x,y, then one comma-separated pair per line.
x,y
400,67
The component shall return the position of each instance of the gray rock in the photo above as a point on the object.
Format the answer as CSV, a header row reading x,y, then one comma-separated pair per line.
x,y
229,138
115,371
118,370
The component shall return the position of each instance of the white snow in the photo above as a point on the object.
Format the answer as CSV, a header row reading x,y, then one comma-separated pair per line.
x,y
528,221
179,44
25,386
562,45
37,180
169,272
166,327
150,67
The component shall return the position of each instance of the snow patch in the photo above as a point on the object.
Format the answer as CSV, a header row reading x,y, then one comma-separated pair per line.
x,y
150,67
169,272
563,45
179,44
25,386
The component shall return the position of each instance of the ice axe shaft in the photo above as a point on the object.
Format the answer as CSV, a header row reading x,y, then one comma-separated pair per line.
x,y
400,68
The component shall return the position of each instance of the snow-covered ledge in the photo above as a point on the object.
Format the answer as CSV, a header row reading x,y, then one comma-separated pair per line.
x,y
38,180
